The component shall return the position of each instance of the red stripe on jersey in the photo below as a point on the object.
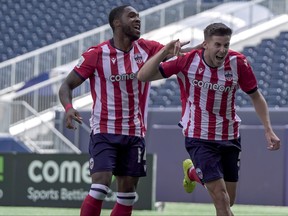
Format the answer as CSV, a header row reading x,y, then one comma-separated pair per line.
x,y
143,105
250,77
143,91
197,93
184,99
210,104
131,103
93,92
189,122
223,106
104,108
141,108
187,91
235,124
117,91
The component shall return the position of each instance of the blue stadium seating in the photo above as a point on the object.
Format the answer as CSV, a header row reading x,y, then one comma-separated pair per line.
x,y
28,25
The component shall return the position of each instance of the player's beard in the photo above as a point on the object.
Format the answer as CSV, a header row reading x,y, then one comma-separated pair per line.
x,y
131,33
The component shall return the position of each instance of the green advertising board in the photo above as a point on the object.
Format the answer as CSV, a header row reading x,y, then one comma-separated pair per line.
x,y
60,180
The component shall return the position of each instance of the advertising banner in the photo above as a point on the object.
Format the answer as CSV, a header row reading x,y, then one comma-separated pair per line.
x,y
7,167
60,180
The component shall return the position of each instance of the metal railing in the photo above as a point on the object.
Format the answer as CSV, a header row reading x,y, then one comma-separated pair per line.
x,y
239,16
21,120
43,97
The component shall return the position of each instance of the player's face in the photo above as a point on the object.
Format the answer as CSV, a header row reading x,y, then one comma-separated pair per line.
x,y
216,50
131,23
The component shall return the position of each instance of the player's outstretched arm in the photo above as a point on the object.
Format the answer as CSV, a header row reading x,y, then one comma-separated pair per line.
x,y
188,49
150,70
261,108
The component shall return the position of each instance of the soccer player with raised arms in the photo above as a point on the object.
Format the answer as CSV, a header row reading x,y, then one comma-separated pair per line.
x,y
208,80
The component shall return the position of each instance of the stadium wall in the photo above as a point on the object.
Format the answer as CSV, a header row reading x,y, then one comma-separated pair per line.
x,y
263,174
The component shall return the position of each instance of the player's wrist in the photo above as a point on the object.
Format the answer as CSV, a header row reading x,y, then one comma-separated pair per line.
x,y
68,107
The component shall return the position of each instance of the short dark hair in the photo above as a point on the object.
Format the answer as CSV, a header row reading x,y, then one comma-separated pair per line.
x,y
116,13
217,29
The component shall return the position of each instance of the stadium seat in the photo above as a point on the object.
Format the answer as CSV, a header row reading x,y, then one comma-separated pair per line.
x,y
50,16
269,61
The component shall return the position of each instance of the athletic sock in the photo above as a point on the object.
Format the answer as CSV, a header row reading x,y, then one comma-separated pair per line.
x,y
124,204
121,210
91,207
92,204
193,175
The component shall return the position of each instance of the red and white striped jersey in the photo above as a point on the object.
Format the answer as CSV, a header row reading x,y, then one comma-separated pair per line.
x,y
208,94
119,99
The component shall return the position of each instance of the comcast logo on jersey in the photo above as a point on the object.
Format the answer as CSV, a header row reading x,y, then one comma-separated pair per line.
x,y
1,169
208,85
122,77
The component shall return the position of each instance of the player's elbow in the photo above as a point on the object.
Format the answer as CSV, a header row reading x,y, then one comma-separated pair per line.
x,y
141,76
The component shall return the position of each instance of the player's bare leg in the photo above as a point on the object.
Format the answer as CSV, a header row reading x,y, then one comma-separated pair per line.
x,y
231,189
126,195
218,192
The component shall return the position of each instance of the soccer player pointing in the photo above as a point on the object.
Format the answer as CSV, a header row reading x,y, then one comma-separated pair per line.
x,y
208,80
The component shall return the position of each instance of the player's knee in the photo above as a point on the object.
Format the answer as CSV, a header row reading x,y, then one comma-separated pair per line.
x,y
221,197
127,199
232,200
99,191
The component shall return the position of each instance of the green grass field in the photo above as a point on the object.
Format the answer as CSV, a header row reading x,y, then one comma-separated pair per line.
x,y
171,209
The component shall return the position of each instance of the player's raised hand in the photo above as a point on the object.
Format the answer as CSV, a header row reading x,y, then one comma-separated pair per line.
x,y
71,115
177,48
173,48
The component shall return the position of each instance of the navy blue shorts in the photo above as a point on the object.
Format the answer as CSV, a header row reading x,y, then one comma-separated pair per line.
x,y
121,154
215,159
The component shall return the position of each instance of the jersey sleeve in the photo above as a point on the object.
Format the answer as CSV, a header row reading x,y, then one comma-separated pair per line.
x,y
150,46
156,46
174,65
87,63
247,80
